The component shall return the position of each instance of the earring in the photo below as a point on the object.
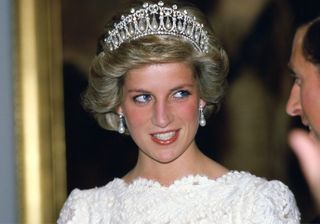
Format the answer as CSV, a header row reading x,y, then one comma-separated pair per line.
x,y
202,120
121,128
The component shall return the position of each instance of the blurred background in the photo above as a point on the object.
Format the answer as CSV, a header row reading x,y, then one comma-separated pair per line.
x,y
249,133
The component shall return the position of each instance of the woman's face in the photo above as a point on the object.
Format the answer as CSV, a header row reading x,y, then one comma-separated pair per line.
x,y
161,107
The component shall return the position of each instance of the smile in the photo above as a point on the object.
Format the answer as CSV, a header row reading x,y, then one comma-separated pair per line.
x,y
165,138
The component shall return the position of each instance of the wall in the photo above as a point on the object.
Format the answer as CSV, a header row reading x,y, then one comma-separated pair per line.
x,y
8,197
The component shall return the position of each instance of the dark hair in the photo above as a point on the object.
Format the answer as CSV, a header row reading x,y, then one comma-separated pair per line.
x,y
311,42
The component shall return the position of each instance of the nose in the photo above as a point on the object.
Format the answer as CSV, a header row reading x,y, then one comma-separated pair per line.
x,y
294,105
162,115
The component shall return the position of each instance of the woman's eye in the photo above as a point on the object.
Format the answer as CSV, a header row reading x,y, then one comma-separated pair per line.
x,y
181,94
142,98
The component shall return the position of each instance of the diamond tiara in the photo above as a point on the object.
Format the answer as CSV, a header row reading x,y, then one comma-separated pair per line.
x,y
156,19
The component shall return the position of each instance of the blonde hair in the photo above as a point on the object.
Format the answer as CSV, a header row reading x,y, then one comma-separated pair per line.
x,y
108,69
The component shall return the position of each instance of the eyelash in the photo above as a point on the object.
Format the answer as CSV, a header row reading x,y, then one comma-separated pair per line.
x,y
297,81
296,78
145,98
183,93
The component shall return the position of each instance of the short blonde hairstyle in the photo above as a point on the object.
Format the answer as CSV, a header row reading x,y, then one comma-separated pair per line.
x,y
108,70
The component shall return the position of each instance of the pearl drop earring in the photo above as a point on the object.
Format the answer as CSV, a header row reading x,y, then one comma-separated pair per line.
x,y
202,120
121,128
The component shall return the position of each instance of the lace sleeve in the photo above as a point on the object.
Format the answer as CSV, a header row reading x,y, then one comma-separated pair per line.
x,y
74,209
275,204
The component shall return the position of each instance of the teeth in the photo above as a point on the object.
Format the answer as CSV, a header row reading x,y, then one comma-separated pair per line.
x,y
164,136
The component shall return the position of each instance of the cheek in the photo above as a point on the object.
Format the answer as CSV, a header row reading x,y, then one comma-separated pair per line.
x,y
136,118
310,102
310,99
188,111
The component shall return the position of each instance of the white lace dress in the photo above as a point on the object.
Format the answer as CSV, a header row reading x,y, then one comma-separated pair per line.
x,y
237,197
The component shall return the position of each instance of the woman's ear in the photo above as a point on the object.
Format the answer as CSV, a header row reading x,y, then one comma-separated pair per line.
x,y
119,110
202,103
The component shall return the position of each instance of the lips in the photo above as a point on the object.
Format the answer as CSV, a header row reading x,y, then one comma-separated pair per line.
x,y
165,138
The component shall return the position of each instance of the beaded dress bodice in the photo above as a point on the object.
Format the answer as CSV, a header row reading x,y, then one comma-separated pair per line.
x,y
236,197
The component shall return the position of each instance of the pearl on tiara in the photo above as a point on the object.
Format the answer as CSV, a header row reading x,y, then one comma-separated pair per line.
x,y
156,19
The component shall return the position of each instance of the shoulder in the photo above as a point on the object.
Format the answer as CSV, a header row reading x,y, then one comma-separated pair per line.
x,y
82,206
267,200
276,202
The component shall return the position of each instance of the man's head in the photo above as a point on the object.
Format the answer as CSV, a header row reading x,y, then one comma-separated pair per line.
x,y
304,100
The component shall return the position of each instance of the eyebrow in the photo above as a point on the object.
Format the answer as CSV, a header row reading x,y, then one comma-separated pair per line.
x,y
138,91
182,87
171,90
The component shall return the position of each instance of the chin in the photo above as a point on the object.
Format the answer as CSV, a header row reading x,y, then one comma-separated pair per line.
x,y
165,159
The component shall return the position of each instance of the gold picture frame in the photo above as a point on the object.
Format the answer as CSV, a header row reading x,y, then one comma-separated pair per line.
x,y
41,166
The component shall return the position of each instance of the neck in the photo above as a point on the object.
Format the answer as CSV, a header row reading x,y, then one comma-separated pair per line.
x,y
167,173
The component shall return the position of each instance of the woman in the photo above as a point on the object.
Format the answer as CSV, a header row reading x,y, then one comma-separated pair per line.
x,y
159,73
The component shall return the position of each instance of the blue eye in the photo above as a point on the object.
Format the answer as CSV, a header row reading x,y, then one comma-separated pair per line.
x,y
181,94
144,98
